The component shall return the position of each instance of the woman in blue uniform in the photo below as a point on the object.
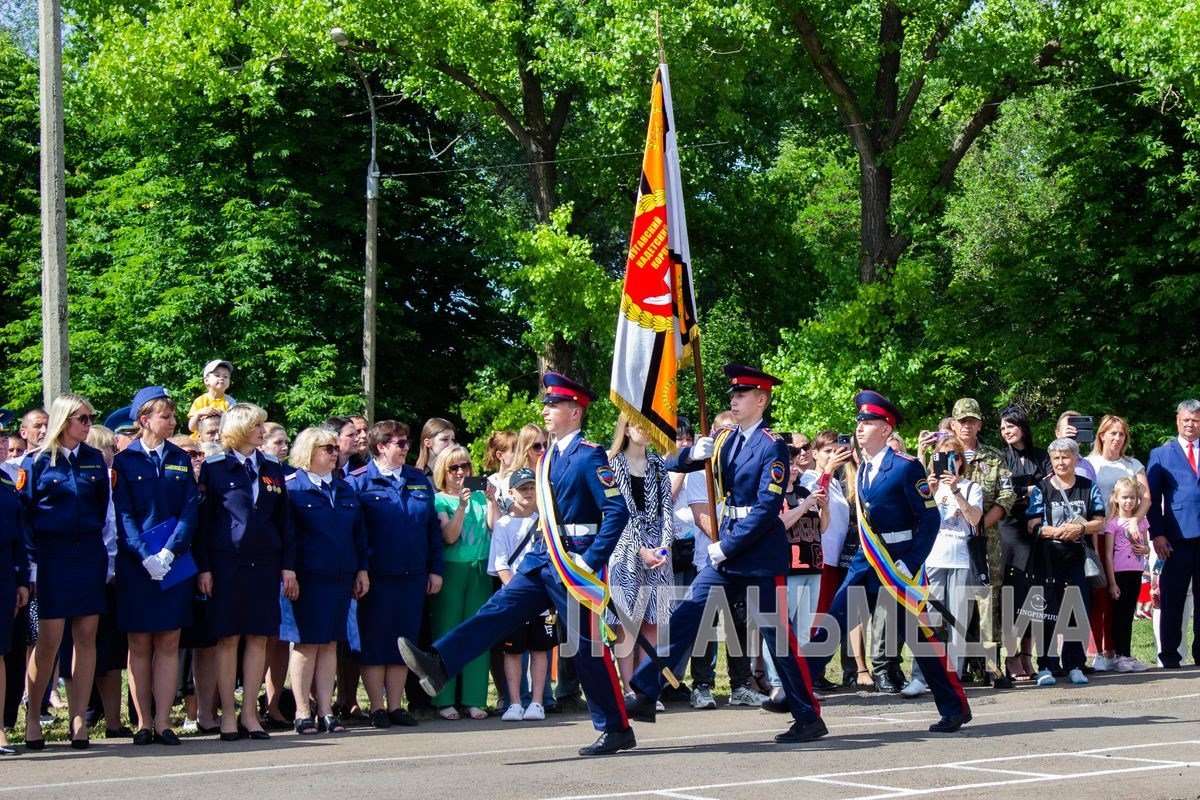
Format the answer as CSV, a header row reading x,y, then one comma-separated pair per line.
x,y
153,485
404,538
64,485
14,577
331,564
244,546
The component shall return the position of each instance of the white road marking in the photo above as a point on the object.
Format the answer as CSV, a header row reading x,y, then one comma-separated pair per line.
x,y
1001,771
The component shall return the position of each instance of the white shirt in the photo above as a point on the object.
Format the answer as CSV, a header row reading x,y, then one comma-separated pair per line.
x,y
317,480
876,462
561,442
950,547
1109,472
833,538
241,459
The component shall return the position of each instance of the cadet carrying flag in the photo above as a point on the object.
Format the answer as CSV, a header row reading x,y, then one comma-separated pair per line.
x,y
657,321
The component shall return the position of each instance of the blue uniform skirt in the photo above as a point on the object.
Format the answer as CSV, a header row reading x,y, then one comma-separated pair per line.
x,y
245,597
8,588
391,609
320,610
143,606
71,580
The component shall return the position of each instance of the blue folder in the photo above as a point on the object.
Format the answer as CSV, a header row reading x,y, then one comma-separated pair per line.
x,y
183,567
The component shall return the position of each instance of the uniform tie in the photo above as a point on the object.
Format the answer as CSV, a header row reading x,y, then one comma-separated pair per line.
x,y
737,449
867,474
71,461
327,488
250,473
1192,457
156,460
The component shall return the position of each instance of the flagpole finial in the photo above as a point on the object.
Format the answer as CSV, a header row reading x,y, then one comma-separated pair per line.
x,y
662,53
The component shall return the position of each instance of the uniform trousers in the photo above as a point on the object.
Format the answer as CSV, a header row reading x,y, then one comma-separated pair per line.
x,y
522,598
1180,573
947,690
689,615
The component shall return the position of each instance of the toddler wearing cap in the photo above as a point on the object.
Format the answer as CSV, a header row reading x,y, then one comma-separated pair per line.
x,y
217,374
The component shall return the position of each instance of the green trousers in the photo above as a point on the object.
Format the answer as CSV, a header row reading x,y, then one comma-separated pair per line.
x,y
465,587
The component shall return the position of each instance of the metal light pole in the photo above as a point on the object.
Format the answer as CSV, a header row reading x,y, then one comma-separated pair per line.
x,y
56,368
372,255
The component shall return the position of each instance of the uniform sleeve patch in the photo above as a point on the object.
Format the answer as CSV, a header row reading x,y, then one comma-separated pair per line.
x,y
776,488
611,492
778,472
923,489
606,476
22,478
173,467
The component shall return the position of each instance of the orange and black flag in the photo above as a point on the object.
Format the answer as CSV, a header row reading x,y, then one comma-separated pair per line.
x,y
657,321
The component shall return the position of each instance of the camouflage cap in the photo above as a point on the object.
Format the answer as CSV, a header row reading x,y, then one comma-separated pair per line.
x,y
966,407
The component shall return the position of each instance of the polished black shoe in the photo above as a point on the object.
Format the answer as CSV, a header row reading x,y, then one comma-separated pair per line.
x,y
143,737
80,744
400,717
640,707
823,684
888,684
428,666
610,742
380,719
123,732
246,733
168,737
1001,682
950,723
35,744
775,706
803,732
230,736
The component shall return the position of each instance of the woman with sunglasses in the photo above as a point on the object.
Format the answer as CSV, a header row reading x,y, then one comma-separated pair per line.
x,y
531,443
467,517
64,485
404,539
331,565
153,486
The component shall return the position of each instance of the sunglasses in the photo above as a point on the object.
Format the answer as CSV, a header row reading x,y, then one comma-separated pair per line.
x,y
84,419
401,443
537,447
328,448
463,467
195,455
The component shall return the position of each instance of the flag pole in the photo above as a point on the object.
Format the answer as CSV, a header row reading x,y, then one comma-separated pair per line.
x,y
709,484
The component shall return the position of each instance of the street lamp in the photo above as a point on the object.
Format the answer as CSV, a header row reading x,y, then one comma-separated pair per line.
x,y
372,255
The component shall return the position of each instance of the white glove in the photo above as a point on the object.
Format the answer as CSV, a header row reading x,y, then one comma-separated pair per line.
x,y
903,570
715,554
154,567
578,559
166,557
702,449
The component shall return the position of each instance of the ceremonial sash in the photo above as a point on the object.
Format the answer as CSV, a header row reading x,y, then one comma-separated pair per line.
x,y
589,588
719,447
910,593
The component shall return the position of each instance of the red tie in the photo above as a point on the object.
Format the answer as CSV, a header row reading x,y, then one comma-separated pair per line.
x,y
1192,457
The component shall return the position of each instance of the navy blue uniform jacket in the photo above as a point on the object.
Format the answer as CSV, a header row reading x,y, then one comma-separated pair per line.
x,y
232,524
144,498
330,538
755,544
404,535
62,502
585,493
14,534
900,499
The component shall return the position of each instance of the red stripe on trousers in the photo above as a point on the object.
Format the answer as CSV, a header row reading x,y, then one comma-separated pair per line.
x,y
793,644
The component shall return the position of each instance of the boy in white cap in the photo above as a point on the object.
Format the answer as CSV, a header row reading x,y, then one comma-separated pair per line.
x,y
213,402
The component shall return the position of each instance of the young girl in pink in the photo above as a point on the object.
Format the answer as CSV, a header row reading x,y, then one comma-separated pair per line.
x,y
1126,544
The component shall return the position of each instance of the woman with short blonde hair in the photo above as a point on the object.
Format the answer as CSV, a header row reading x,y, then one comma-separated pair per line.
x,y
239,423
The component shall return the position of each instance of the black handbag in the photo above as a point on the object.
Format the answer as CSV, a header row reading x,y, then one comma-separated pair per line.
x,y
683,551
1044,596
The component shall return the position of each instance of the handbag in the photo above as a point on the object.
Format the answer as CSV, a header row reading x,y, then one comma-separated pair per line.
x,y
683,551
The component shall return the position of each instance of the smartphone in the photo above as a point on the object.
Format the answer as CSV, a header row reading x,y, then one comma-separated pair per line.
x,y
1085,429
823,481
476,483
845,440
943,463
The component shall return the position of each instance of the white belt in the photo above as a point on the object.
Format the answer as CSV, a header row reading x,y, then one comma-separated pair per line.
x,y
736,512
895,537
579,529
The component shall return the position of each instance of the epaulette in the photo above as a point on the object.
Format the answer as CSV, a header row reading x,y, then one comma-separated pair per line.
x,y
215,457
772,435
586,443
905,456
268,457
7,481
291,477
360,471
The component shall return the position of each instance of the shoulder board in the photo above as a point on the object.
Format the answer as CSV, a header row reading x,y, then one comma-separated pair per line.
x,y
291,477
904,456
214,458
772,435
586,443
268,457
4,479
360,471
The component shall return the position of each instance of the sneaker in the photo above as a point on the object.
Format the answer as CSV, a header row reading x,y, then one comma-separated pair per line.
x,y
745,696
914,688
514,713
702,697
1130,664
534,712
1046,678
659,707
1102,663
189,726
1077,677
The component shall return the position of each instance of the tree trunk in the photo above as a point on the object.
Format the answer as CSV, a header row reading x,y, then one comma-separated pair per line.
x,y
543,178
879,248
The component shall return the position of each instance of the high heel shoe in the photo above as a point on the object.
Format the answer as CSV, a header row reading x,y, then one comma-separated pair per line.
x,y
33,744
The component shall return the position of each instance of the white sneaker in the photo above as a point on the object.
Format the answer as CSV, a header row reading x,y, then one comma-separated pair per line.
x,y
1102,663
534,712
659,707
514,713
914,688
745,696
189,726
702,697
1077,677
1130,664
1046,678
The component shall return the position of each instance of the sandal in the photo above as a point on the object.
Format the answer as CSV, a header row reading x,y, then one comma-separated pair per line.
x,y
868,685
305,726
1018,674
448,712
331,724
474,712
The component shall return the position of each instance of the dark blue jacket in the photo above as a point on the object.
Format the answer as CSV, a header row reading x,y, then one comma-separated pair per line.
x,y
232,524
64,505
1174,494
900,499
330,537
403,532
14,535
145,498
585,493
754,544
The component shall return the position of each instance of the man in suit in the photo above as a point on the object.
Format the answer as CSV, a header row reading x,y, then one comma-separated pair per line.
x,y
591,515
1174,517
751,555
894,494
